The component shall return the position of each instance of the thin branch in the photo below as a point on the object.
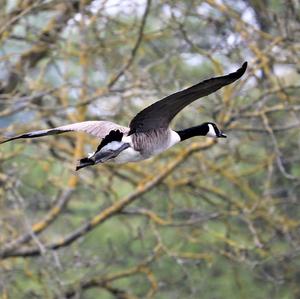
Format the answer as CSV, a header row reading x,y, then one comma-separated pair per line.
x,y
135,48
117,207
40,226
104,281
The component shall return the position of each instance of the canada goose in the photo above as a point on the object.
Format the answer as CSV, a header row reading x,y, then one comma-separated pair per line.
x,y
148,133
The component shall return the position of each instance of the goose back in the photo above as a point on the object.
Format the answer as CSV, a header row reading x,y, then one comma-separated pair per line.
x,y
153,142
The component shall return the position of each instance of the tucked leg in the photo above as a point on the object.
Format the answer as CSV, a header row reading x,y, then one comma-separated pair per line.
x,y
103,156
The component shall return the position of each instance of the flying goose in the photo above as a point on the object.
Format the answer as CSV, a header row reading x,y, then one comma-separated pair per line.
x,y
148,133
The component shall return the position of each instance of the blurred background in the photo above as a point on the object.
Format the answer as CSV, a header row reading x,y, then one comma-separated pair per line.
x,y
204,220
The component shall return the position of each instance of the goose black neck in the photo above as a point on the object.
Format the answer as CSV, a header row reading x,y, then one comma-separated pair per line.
x,y
191,132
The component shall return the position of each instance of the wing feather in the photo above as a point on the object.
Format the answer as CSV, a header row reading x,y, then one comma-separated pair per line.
x,y
160,114
96,128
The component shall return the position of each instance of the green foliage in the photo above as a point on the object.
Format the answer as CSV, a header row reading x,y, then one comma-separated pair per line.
x,y
223,223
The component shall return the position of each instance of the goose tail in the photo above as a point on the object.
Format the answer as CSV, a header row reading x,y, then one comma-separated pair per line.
x,y
84,162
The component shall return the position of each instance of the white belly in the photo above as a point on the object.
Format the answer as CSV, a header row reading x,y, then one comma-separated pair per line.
x,y
131,155
128,155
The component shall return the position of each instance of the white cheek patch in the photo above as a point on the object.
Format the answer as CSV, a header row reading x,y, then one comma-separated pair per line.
x,y
211,131
174,138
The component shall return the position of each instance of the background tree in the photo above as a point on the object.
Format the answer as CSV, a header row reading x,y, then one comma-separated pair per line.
x,y
210,219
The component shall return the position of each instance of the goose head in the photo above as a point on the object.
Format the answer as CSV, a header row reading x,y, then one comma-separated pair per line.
x,y
212,130
208,129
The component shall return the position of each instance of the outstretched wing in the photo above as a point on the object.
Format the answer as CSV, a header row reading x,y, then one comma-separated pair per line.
x,y
160,114
96,128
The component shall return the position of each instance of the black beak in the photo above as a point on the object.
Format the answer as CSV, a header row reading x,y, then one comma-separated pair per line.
x,y
222,135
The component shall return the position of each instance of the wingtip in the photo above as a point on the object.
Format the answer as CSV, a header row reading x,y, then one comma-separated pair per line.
x,y
9,139
4,141
244,66
240,72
